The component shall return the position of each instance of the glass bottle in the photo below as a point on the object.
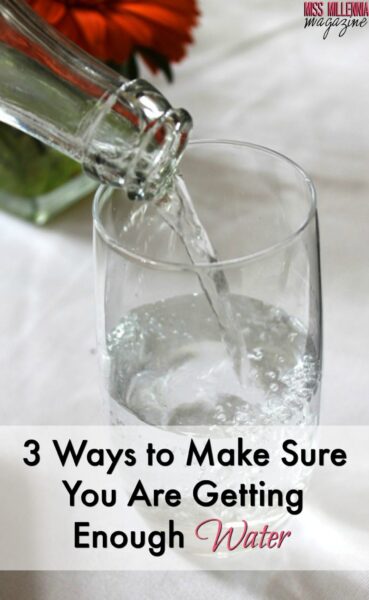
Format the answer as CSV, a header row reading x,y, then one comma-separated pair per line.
x,y
122,132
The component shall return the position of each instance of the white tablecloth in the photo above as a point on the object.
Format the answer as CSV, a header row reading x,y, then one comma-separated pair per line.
x,y
254,74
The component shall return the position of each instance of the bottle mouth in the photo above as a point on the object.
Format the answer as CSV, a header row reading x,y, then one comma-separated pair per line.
x,y
157,156
134,139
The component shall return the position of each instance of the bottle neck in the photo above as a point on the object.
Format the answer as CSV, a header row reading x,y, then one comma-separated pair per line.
x,y
123,133
132,137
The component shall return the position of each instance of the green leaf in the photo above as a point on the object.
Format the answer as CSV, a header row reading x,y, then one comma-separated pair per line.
x,y
159,60
129,69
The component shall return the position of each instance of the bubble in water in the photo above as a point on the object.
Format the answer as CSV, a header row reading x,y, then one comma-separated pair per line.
x,y
167,366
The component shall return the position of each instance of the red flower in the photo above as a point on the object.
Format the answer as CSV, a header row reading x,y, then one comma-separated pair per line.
x,y
112,30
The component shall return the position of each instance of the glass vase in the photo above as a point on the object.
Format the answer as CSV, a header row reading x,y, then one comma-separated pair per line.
x,y
36,181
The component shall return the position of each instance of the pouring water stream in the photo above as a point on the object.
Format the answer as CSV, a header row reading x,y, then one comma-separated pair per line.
x,y
178,211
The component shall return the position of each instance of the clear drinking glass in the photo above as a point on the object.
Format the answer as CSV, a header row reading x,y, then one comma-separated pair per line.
x,y
164,356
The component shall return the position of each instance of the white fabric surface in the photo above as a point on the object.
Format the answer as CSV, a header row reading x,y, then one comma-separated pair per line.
x,y
255,74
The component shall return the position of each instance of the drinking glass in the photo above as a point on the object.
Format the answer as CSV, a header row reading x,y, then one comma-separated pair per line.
x,y
164,355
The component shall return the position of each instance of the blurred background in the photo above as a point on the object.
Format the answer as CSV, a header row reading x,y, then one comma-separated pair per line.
x,y
254,73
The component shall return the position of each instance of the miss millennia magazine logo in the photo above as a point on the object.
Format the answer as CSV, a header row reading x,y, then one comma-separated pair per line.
x,y
338,16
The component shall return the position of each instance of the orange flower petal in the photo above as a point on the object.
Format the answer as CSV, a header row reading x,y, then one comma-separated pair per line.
x,y
93,27
69,27
137,29
112,29
157,14
53,12
119,44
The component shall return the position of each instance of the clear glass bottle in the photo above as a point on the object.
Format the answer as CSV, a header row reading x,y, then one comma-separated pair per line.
x,y
122,132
